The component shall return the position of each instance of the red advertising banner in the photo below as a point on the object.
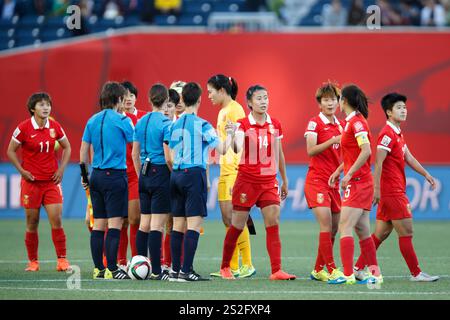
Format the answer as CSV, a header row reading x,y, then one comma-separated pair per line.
x,y
290,66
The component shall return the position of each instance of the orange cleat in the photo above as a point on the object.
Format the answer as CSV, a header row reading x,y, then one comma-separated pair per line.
x,y
281,275
202,231
226,273
62,264
33,266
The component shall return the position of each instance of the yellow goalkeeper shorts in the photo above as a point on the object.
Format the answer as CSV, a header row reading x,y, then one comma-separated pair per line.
x,y
225,187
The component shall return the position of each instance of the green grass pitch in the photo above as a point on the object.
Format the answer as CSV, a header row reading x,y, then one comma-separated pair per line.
x,y
299,247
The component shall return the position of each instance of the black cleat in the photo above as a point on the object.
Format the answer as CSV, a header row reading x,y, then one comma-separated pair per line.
x,y
164,275
190,277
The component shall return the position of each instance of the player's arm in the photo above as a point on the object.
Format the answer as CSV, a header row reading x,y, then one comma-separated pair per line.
x,y
417,167
282,169
334,177
238,141
168,156
380,157
135,156
313,149
84,157
12,156
364,154
67,150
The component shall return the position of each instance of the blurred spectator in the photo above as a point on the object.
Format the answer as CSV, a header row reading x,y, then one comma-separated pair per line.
x,y
334,15
42,7
410,12
259,5
389,17
446,5
168,6
60,7
8,9
147,11
112,9
357,13
432,14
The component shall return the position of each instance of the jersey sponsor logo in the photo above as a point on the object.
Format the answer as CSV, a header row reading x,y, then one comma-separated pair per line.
x,y
358,126
16,132
33,135
386,140
243,198
320,198
312,125
52,133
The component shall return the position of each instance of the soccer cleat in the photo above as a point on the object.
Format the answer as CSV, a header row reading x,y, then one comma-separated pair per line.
x,y
164,275
336,277
173,276
371,279
226,273
281,275
62,264
117,274
32,266
191,276
360,275
202,231
98,274
218,274
322,275
124,267
423,277
350,279
165,267
246,271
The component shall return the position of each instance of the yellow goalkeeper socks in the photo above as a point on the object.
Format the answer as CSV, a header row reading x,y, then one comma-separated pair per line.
x,y
244,247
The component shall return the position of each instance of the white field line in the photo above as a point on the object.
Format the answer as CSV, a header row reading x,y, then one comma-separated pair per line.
x,y
205,258
446,276
233,292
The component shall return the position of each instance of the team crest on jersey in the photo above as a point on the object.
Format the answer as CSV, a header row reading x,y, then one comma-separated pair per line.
x,y
358,126
386,140
26,200
320,198
271,129
52,133
243,198
312,125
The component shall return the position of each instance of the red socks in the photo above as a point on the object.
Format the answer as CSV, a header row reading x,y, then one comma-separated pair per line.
x,y
228,245
347,251
32,243
166,251
326,250
361,263
133,232
123,246
369,251
408,253
59,241
273,244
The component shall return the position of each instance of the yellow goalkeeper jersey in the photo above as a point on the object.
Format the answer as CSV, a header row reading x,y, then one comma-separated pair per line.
x,y
230,161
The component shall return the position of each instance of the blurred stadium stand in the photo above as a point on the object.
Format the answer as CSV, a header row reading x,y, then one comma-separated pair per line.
x,y
31,24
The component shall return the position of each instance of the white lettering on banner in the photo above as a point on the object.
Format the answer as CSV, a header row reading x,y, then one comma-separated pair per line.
x,y
14,191
2,191
298,197
212,194
422,195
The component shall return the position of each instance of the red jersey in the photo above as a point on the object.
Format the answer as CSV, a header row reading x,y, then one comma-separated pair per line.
x,y
393,180
38,147
135,116
356,125
259,160
322,165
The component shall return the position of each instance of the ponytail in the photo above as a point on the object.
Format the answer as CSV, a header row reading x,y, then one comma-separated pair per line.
x,y
357,99
220,81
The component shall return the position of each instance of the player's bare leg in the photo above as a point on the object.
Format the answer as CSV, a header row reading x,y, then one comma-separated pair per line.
x,y
32,238
54,213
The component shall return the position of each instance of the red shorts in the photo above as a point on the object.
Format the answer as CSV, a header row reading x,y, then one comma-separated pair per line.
x,y
35,194
319,195
394,208
133,188
246,194
358,194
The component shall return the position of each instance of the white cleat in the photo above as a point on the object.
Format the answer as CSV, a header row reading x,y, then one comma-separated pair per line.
x,y
423,277
360,275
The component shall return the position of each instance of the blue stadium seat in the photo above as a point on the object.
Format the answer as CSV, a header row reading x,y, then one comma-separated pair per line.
x,y
229,6
197,7
165,20
49,33
56,22
193,20
31,21
132,20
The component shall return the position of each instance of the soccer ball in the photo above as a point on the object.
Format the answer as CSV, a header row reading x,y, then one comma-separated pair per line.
x,y
140,268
